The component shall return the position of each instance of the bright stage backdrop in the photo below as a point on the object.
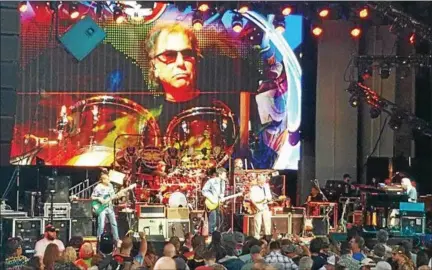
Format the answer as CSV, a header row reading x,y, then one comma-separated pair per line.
x,y
241,91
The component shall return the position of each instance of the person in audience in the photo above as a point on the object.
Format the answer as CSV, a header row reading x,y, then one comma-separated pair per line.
x,y
50,237
188,241
367,264
106,249
69,255
382,265
198,257
170,251
164,263
278,260
408,250
382,237
292,252
330,263
95,262
422,258
36,263
210,261
378,253
76,242
255,254
216,245
14,259
123,258
357,245
53,259
315,249
306,263
176,242
249,243
85,256
346,258
233,244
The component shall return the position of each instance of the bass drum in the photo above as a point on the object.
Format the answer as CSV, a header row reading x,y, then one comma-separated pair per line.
x,y
177,200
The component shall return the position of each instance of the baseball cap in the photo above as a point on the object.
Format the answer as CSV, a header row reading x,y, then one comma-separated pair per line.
x,y
255,249
368,262
289,248
50,228
382,265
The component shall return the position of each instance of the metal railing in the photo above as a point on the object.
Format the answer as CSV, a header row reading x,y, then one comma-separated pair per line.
x,y
82,190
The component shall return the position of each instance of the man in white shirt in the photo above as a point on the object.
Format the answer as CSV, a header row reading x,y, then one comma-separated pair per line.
x,y
261,195
50,237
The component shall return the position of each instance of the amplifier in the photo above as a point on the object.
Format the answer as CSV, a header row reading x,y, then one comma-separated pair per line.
x,y
178,227
280,225
82,226
151,211
81,208
63,225
412,225
28,229
153,226
61,210
196,218
177,213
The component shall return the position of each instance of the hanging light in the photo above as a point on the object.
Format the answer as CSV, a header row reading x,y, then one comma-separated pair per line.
x,y
354,101
286,11
355,32
363,13
279,24
118,15
203,7
22,7
317,30
197,20
323,13
243,8
73,10
237,23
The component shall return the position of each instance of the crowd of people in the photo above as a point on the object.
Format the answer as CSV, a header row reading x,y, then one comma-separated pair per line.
x,y
230,251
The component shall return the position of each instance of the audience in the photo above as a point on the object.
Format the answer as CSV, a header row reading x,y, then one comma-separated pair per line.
x,y
50,237
14,257
85,256
165,263
276,258
54,259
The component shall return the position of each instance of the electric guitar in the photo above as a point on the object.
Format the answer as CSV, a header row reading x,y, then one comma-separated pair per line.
x,y
98,207
342,222
212,204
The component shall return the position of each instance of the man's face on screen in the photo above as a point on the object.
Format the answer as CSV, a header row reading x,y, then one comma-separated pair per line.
x,y
175,62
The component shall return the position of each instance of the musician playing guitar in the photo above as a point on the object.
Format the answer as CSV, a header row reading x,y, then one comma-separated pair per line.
x,y
214,190
261,196
104,193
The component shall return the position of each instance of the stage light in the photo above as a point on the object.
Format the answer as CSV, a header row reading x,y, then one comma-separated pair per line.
x,y
280,26
237,24
395,122
317,30
323,13
412,38
374,112
203,7
384,71
364,13
286,11
22,7
73,10
197,21
243,8
354,101
118,15
355,32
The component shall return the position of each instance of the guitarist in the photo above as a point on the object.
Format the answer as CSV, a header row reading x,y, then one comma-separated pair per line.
x,y
100,192
214,190
260,195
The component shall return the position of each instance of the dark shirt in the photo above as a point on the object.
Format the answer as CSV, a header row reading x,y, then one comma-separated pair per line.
x,y
318,198
65,266
194,264
318,262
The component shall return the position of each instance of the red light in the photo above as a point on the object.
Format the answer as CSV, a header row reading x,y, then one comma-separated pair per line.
x,y
317,31
324,13
203,7
412,38
286,11
23,6
355,32
364,13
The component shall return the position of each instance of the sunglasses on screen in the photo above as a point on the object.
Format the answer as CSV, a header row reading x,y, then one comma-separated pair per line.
x,y
170,56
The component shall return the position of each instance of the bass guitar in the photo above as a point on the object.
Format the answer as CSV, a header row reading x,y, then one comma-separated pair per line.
x,y
98,207
212,204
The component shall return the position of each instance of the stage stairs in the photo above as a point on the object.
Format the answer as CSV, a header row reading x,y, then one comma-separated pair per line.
x,y
82,190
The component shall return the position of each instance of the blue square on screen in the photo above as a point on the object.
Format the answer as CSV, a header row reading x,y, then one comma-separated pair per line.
x,y
82,38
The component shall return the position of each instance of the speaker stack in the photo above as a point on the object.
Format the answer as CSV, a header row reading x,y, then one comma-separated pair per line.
x,y
82,222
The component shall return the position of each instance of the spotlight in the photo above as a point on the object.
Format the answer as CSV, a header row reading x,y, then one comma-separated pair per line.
x,y
203,7
374,112
317,30
354,101
22,7
197,21
286,11
279,24
396,121
243,8
355,32
364,13
384,71
237,23
323,13
118,15
412,38
73,10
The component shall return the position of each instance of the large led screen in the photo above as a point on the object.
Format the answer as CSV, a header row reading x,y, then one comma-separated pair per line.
x,y
159,89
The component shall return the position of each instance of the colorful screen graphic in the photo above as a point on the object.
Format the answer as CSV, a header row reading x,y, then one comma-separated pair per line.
x,y
158,91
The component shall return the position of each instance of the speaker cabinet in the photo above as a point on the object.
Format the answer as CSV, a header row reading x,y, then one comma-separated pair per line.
x,y
81,209
280,225
82,226
28,229
63,225
178,227
61,186
196,218
153,226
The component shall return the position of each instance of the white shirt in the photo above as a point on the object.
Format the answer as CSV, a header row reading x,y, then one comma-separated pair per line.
x,y
261,194
43,243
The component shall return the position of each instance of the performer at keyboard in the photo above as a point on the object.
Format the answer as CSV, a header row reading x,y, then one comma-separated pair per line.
x,y
214,190
260,195
409,189
103,193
